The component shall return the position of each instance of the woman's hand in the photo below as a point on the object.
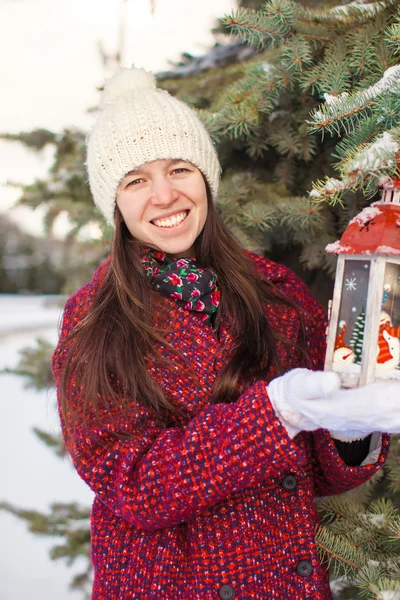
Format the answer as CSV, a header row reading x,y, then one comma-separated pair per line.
x,y
307,400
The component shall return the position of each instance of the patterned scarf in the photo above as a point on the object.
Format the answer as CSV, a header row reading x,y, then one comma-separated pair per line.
x,y
192,287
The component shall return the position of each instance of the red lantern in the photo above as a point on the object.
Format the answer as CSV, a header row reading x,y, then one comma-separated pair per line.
x,y
363,342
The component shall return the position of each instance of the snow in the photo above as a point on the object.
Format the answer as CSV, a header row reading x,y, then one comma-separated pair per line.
x,y
339,585
27,313
337,104
319,114
268,67
382,152
366,215
368,7
331,185
337,248
390,72
389,595
377,520
387,250
373,563
31,475
331,99
389,79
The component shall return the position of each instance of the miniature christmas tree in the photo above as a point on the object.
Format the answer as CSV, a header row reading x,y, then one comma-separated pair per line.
x,y
357,338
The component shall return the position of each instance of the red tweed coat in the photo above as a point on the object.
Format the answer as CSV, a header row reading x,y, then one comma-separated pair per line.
x,y
221,506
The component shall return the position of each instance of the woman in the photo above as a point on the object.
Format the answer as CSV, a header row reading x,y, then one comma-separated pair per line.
x,y
186,383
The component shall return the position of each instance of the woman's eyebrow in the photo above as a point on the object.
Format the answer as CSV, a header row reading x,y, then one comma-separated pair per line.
x,y
134,172
140,170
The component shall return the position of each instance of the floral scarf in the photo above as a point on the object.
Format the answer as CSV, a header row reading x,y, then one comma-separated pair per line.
x,y
193,287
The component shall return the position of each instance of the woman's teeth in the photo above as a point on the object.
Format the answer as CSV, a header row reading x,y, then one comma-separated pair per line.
x,y
171,221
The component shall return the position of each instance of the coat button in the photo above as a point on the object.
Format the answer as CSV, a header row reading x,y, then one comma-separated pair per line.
x,y
226,592
304,568
289,482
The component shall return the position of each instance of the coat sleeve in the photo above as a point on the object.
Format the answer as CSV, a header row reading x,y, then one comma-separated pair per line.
x,y
331,474
164,476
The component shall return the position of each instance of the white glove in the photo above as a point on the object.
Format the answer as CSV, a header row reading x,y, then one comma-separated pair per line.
x,y
306,400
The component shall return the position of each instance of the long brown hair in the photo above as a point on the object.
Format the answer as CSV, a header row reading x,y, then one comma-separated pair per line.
x,y
118,323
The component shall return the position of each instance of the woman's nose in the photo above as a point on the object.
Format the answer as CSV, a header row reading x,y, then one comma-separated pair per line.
x,y
163,193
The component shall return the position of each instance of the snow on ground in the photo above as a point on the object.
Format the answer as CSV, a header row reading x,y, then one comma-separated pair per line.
x,y
31,476
27,313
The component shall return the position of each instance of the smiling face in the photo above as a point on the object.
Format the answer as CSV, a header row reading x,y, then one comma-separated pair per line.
x,y
164,205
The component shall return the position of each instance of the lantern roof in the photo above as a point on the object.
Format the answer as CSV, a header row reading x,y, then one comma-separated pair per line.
x,y
376,229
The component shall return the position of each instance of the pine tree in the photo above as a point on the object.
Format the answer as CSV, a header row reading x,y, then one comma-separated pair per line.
x,y
262,110
308,101
357,337
66,191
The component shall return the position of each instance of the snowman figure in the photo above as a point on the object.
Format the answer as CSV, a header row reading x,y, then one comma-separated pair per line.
x,y
388,352
343,354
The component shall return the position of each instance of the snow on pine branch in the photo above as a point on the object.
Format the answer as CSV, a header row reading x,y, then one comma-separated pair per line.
x,y
367,168
377,156
329,187
358,6
344,106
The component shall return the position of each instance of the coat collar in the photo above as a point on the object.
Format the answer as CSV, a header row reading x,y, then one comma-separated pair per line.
x,y
283,318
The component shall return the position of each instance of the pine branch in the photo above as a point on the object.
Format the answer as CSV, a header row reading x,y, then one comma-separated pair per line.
x,y
343,112
380,156
259,215
314,255
393,36
349,15
264,28
240,122
368,56
250,239
69,522
35,365
62,516
362,167
36,139
333,73
361,542
393,466
363,135
291,139
299,215
55,442
338,553
297,55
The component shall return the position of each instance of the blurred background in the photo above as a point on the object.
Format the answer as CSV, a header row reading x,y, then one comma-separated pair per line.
x,y
296,97
55,56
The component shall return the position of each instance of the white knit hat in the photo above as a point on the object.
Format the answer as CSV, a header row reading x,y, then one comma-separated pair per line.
x,y
139,123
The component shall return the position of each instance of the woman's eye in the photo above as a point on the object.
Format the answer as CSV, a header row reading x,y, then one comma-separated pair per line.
x,y
180,170
134,182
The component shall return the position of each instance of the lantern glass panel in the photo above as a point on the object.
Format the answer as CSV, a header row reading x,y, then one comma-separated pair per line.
x,y
351,321
388,347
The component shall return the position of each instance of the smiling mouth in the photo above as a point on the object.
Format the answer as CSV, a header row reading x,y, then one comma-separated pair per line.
x,y
171,222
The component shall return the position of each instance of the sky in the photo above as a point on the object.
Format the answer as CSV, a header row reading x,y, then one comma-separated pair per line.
x,y
51,67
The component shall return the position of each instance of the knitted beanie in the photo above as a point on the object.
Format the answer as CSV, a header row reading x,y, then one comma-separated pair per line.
x,y
139,123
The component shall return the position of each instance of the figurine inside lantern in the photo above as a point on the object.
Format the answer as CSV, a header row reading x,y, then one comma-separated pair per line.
x,y
363,342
